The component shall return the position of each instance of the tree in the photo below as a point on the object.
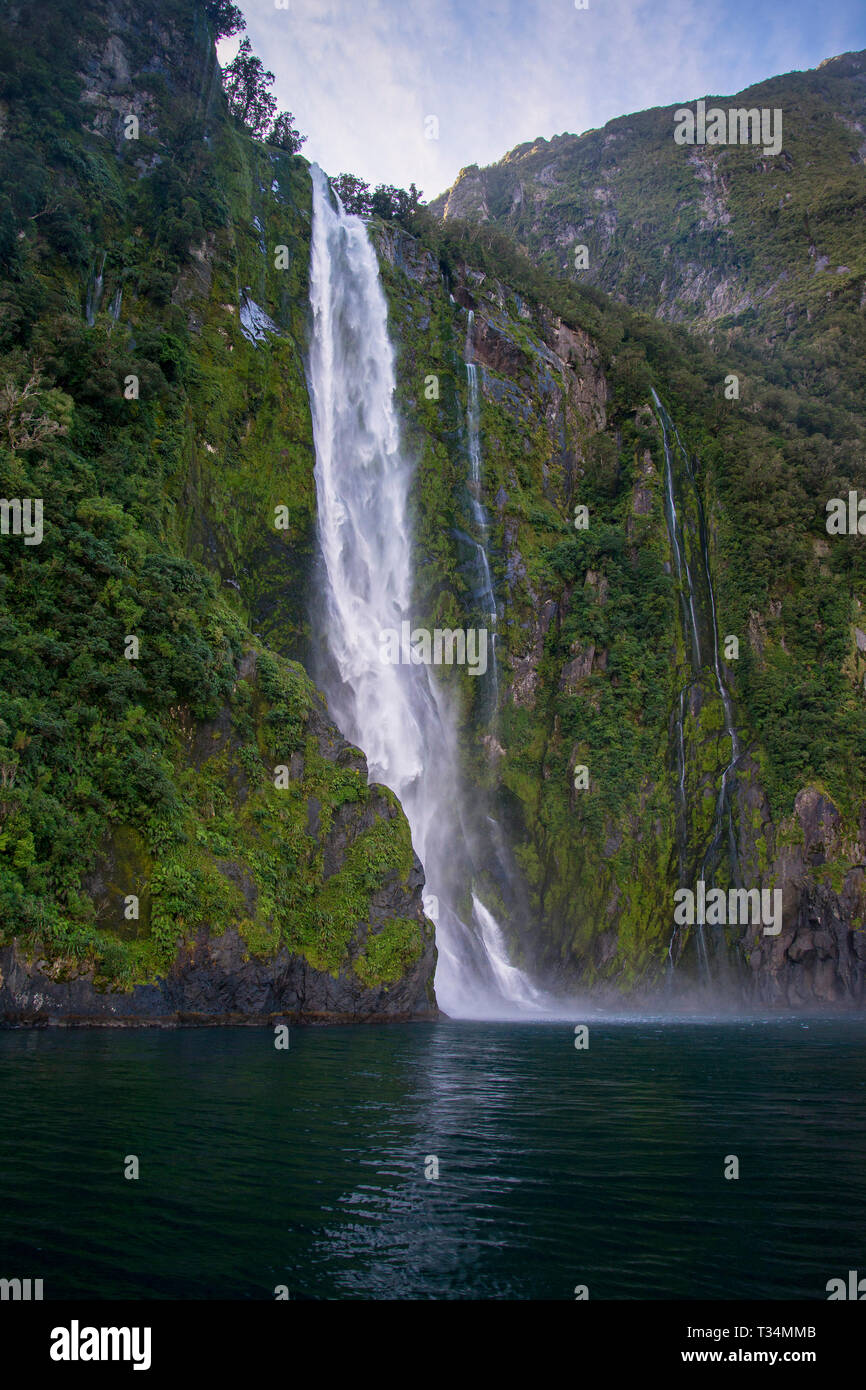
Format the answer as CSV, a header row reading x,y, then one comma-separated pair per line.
x,y
32,413
246,86
226,19
353,193
385,201
394,203
284,135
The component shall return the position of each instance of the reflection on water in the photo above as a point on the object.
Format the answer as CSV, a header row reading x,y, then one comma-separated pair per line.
x,y
557,1167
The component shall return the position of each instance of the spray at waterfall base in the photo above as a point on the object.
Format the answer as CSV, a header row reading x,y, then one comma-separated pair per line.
x,y
377,671
393,709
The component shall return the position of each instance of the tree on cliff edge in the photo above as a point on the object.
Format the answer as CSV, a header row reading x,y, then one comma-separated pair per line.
x,y
246,85
284,134
226,19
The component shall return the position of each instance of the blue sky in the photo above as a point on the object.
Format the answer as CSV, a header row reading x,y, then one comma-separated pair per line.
x,y
363,76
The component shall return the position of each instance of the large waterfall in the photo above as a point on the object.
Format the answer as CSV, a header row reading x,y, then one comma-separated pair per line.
x,y
396,712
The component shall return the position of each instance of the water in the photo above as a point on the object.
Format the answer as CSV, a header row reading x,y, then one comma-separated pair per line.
x,y
115,305
681,563
94,293
556,1167
397,713
484,595
692,603
723,810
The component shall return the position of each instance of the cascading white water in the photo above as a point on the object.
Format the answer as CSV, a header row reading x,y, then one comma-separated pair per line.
x,y
680,558
485,596
114,306
397,713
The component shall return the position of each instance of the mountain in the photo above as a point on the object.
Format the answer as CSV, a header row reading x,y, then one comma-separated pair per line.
x,y
705,235
677,691
761,257
595,634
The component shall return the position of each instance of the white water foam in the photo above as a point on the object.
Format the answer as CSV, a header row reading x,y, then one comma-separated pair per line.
x,y
398,714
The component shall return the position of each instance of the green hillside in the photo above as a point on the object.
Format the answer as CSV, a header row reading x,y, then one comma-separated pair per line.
x,y
148,698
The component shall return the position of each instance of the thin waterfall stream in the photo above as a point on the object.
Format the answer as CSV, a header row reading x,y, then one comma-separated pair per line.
x,y
697,599
398,713
722,804
484,595
94,293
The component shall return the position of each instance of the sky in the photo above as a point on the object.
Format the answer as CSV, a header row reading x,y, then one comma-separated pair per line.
x,y
363,78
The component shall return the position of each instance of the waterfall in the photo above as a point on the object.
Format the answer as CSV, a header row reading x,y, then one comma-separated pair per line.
x,y
681,563
690,599
724,693
484,593
94,294
397,713
114,306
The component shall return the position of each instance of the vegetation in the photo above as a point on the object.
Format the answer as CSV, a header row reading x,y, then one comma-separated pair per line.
x,y
162,443
246,85
225,18
140,719
385,201
764,467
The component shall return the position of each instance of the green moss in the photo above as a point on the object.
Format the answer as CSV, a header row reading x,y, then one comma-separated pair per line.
x,y
389,954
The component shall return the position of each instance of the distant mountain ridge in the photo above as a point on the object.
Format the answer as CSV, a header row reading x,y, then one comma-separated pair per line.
x,y
696,234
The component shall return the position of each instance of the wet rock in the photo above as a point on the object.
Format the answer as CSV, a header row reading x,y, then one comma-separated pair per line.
x,y
215,981
819,958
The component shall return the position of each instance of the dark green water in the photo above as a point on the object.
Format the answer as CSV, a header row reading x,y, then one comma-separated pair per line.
x,y
557,1167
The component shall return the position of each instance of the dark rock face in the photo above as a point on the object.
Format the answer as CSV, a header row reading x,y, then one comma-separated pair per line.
x,y
495,349
214,980
819,957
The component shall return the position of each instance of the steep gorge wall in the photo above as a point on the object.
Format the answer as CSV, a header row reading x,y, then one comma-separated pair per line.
x,y
307,899
185,833
591,653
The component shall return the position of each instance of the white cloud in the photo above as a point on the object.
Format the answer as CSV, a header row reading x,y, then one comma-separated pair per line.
x,y
360,76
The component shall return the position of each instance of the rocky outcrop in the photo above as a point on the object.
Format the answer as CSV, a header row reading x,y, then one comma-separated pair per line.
x,y
216,981
351,898
467,199
819,958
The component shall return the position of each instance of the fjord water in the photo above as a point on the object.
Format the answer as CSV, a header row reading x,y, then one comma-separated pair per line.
x,y
557,1167
398,714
